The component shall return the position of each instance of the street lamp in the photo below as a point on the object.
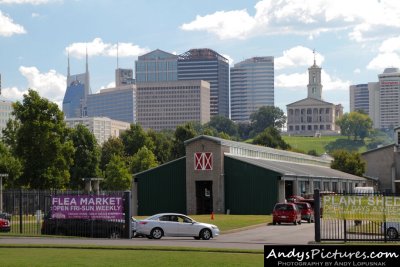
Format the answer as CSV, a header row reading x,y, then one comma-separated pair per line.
x,y
5,175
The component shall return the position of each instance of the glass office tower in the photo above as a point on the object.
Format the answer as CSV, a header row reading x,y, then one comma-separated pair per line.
x,y
156,66
252,86
208,65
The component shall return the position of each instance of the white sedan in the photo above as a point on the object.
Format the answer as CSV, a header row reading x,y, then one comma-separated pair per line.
x,y
175,224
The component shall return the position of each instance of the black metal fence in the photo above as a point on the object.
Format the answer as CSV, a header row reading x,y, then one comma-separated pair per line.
x,y
357,217
30,213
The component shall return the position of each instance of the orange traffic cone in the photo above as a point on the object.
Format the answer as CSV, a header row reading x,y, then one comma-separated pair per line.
x,y
212,215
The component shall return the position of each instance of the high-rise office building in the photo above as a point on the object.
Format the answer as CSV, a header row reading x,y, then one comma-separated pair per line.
x,y
5,113
117,103
359,98
384,99
78,88
156,66
165,105
252,86
123,77
208,65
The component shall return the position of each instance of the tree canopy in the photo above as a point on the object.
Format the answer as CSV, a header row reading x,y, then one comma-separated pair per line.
x,y
223,124
182,133
271,137
267,116
41,143
349,162
86,156
117,175
143,160
113,146
9,165
135,138
356,124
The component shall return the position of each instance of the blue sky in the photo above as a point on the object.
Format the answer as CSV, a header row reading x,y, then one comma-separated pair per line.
x,y
354,40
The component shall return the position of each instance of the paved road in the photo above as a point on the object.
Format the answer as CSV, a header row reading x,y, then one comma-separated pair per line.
x,y
254,238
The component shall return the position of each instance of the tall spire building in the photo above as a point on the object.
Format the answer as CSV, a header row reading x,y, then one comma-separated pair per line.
x,y
78,88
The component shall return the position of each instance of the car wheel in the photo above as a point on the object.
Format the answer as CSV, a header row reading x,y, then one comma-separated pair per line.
x,y
279,223
294,222
299,222
205,234
309,220
197,237
115,234
274,222
156,233
392,233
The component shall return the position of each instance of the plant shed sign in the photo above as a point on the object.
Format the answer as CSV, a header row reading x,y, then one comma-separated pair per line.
x,y
87,207
203,161
354,207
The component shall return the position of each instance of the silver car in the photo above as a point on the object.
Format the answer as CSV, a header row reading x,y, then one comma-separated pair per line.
x,y
175,224
392,229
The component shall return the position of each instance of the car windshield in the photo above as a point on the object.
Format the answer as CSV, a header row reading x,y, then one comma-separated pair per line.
x,y
283,207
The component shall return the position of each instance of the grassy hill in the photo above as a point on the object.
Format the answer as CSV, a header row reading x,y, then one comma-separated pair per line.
x,y
325,144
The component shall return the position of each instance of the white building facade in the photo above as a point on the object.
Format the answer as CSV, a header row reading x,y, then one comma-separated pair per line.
x,y
5,113
102,127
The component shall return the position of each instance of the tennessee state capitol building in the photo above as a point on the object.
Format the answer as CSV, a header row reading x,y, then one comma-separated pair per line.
x,y
313,116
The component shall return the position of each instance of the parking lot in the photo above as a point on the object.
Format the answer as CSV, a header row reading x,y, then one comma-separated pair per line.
x,y
254,238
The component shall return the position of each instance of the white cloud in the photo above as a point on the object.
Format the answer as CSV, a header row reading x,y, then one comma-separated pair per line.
x,y
98,48
13,93
32,2
388,56
297,56
226,25
299,81
357,71
109,85
303,17
35,15
50,85
8,27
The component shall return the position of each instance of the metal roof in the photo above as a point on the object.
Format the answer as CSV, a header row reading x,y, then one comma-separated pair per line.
x,y
291,169
230,143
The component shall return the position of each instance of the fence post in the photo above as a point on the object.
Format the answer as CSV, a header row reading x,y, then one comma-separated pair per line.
x,y
317,215
20,211
128,215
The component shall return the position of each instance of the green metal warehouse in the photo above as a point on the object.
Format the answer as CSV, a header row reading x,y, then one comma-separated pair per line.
x,y
222,176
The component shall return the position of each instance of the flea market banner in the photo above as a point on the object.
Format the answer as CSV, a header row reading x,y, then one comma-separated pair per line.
x,y
361,207
87,207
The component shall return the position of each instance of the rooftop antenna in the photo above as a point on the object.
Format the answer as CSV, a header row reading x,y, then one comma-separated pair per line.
x,y
314,56
87,64
117,56
68,69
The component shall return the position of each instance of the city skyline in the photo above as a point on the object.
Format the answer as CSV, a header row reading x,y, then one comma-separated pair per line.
x,y
354,40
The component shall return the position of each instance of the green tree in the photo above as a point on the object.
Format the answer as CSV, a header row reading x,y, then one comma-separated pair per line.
x,y
355,124
182,133
143,160
271,137
42,143
9,165
86,156
267,116
244,130
117,174
10,134
223,124
162,145
135,138
113,146
349,162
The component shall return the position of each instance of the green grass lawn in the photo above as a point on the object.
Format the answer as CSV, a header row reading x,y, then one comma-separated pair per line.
x,y
126,257
324,144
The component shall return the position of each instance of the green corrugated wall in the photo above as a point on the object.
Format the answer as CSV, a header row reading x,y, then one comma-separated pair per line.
x,y
249,189
162,189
